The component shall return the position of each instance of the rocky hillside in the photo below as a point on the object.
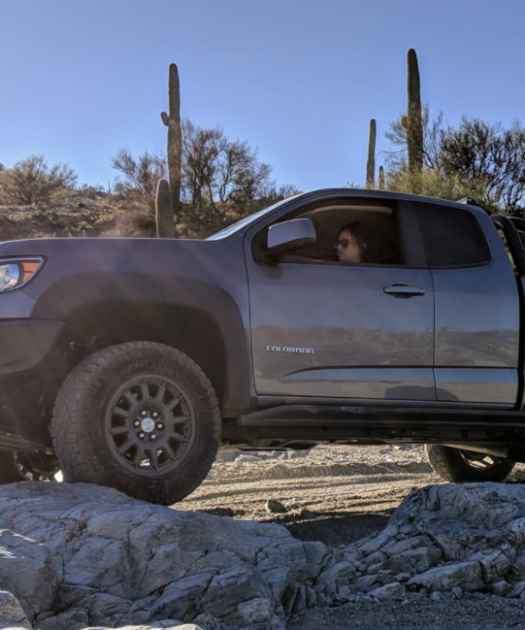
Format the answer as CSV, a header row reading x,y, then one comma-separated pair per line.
x,y
89,217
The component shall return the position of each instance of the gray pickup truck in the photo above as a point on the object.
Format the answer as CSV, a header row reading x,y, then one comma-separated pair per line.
x,y
130,362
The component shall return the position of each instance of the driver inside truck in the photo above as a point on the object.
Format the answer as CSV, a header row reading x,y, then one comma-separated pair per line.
x,y
353,243
360,242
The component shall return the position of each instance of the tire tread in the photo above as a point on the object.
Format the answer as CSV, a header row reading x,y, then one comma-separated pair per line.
x,y
449,465
71,427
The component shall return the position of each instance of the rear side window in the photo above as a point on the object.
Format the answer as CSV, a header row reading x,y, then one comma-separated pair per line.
x,y
452,237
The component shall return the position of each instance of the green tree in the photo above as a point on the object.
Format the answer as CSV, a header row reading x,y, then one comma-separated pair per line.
x,y
33,181
480,151
218,170
474,158
223,181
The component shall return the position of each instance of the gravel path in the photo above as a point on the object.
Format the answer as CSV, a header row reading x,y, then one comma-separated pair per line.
x,y
338,495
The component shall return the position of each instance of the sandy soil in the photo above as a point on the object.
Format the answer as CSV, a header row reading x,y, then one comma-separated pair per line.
x,y
338,495
334,494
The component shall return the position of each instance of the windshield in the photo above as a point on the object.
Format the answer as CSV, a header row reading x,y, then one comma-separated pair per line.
x,y
251,218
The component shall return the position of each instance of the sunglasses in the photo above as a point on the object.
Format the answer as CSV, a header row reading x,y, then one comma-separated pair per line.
x,y
343,243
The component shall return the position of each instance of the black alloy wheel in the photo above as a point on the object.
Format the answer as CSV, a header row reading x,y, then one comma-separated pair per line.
x,y
141,417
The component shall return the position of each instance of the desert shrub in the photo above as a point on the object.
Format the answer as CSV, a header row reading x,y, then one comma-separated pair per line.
x,y
33,181
434,183
136,220
138,178
86,191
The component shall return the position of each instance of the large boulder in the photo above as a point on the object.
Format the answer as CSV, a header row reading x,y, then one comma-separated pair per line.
x,y
76,555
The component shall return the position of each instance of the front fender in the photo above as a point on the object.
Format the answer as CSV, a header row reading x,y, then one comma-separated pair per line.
x,y
153,299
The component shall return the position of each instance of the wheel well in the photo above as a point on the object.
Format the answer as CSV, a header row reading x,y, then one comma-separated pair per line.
x,y
190,330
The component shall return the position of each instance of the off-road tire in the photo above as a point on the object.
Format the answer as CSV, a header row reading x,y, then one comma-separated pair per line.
x,y
86,431
26,466
453,464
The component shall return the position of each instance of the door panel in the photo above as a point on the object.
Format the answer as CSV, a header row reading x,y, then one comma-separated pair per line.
x,y
477,307
477,335
332,330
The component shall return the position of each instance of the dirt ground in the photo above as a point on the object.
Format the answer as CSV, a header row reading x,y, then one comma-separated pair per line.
x,y
338,495
333,494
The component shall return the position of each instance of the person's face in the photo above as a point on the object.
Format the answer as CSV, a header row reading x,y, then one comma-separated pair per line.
x,y
347,248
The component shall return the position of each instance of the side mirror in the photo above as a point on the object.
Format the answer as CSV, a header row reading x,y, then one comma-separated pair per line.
x,y
288,236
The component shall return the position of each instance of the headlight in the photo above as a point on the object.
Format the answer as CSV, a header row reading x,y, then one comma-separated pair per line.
x,y
16,272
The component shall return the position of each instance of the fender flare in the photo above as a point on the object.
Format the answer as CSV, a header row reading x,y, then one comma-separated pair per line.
x,y
67,295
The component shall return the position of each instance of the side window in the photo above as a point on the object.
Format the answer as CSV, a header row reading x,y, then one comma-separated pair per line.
x,y
353,234
452,237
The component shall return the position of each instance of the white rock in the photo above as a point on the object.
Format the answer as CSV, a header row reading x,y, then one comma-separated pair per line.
x,y
467,575
100,557
12,614
28,571
394,590
122,561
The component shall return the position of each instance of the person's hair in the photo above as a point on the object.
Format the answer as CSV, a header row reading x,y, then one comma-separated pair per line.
x,y
377,243
360,234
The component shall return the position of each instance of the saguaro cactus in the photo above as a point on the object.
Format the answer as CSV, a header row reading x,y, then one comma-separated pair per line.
x,y
164,210
172,122
414,125
371,161
381,178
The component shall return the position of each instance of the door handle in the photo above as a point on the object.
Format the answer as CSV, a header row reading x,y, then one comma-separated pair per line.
x,y
403,291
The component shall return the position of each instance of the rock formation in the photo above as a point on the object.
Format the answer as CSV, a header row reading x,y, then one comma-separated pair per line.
x,y
74,556
442,541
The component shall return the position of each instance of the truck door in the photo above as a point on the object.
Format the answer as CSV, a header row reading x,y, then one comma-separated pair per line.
x,y
476,306
329,329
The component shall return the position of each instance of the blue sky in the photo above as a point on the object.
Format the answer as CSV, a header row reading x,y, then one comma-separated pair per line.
x,y
298,79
